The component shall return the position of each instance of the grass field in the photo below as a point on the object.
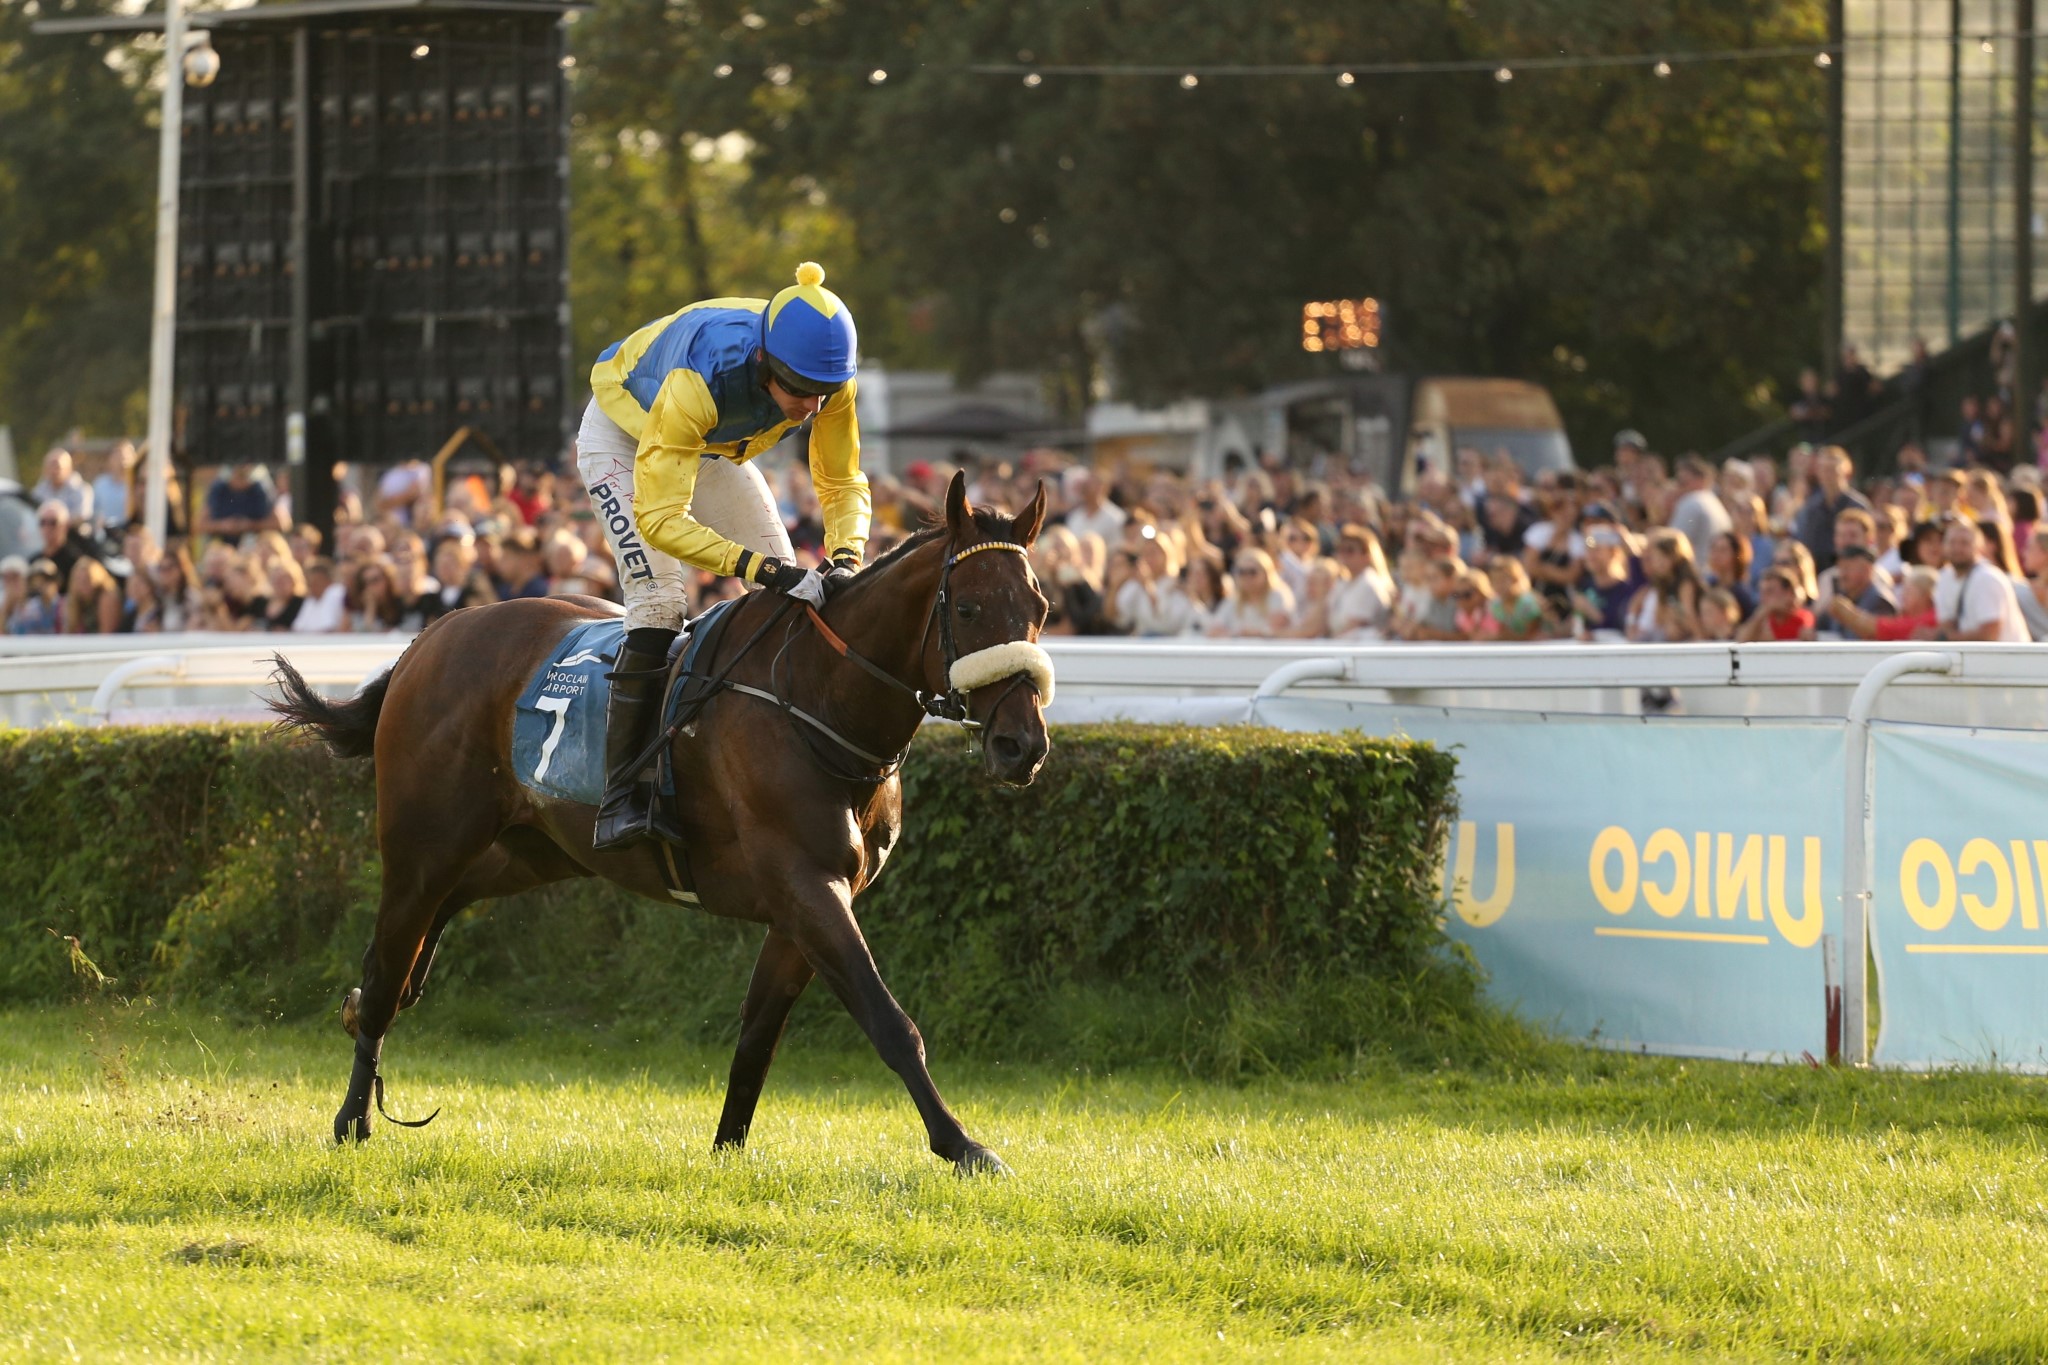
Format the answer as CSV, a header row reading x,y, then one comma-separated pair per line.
x,y
165,1191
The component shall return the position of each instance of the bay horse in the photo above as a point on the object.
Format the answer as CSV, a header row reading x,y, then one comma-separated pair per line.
x,y
788,793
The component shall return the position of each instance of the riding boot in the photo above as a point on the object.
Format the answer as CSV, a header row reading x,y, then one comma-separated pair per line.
x,y
632,808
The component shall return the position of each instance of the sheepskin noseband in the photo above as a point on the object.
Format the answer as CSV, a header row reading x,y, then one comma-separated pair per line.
x,y
997,662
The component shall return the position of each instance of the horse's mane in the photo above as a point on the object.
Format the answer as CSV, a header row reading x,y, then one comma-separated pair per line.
x,y
993,525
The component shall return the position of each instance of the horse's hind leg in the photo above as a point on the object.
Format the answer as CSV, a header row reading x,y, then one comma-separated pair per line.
x,y
420,872
780,975
520,860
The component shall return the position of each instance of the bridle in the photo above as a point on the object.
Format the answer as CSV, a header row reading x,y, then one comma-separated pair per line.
x,y
949,703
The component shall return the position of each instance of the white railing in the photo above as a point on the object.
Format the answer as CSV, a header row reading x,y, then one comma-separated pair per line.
x,y
91,679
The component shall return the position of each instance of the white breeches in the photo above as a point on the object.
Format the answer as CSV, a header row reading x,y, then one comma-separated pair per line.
x,y
732,499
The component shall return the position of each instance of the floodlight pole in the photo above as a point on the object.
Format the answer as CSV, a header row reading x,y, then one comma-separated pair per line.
x,y
164,312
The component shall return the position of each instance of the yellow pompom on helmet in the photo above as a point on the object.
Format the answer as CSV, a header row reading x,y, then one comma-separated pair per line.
x,y
808,336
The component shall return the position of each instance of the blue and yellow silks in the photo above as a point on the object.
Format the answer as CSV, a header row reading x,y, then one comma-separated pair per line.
x,y
690,385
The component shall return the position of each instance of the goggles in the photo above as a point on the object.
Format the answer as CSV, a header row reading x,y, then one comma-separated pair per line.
x,y
795,383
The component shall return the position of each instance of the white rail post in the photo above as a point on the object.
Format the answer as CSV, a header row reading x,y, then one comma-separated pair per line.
x,y
1858,871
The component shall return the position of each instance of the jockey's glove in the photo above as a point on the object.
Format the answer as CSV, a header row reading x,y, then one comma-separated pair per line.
x,y
840,571
806,585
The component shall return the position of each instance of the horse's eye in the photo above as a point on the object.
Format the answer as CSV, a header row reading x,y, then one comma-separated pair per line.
x,y
969,610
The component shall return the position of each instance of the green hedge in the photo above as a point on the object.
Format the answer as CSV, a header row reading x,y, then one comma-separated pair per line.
x,y
1228,898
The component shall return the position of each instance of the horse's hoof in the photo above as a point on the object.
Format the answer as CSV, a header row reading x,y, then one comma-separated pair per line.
x,y
350,1004
349,1129
979,1161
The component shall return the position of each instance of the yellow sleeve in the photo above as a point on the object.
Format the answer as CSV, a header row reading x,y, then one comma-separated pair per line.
x,y
665,476
835,473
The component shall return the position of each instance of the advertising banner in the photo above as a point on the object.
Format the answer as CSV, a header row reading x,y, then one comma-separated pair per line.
x,y
1959,908
1665,884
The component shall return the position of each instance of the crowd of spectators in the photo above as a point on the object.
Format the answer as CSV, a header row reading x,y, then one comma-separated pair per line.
x,y
1641,549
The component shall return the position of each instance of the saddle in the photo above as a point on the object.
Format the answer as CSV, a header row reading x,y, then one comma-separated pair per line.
x,y
558,725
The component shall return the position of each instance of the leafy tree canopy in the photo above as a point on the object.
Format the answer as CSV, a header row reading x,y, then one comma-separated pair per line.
x,y
1649,247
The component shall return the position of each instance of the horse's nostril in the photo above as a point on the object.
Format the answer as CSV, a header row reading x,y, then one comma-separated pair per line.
x,y
1007,748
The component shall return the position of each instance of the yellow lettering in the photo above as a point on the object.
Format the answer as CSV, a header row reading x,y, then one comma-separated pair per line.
x,y
2023,881
2040,871
1474,911
1736,877
1933,916
1616,898
1667,843
1997,913
1702,847
1804,931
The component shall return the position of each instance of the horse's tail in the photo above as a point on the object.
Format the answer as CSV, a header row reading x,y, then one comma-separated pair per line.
x,y
348,728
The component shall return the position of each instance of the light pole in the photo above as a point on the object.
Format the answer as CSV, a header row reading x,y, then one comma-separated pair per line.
x,y
164,311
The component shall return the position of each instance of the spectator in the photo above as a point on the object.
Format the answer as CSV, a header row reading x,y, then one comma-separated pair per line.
x,y
1854,529
1698,514
1613,575
1720,614
1792,557
1360,609
1208,590
1074,604
1728,569
1312,606
176,591
13,589
1435,614
239,502
111,490
1092,512
1856,594
2032,593
405,493
1893,536
1996,448
1809,407
92,604
1666,607
41,610
459,583
1516,609
373,600
1831,496
525,575
1783,614
1300,547
326,606
1263,607
287,596
1855,390
140,612
61,483
1972,599
63,542
1473,594
1152,601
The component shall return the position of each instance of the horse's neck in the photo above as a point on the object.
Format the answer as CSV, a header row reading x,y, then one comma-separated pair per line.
x,y
885,616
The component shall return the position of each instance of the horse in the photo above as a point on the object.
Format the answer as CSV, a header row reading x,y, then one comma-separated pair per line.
x,y
789,795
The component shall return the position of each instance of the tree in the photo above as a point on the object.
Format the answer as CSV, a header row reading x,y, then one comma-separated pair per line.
x,y
1647,246
77,199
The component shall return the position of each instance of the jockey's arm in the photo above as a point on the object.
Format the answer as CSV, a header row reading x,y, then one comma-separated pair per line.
x,y
665,479
836,475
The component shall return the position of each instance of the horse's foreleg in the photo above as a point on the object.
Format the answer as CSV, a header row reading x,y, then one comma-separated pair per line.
x,y
822,924
780,975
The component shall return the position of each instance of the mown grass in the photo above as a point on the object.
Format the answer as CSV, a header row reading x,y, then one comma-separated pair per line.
x,y
165,1191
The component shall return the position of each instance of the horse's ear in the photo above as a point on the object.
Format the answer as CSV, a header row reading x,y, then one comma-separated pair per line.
x,y
959,516
1025,526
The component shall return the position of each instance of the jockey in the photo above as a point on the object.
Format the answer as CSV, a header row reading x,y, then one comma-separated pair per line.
x,y
677,410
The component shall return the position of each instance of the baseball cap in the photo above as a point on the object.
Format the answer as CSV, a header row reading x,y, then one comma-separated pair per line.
x,y
43,565
13,564
1629,436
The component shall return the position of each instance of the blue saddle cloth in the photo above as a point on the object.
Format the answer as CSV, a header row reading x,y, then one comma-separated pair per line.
x,y
558,727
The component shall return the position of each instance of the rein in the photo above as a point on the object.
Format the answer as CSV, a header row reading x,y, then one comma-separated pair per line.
x,y
950,704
